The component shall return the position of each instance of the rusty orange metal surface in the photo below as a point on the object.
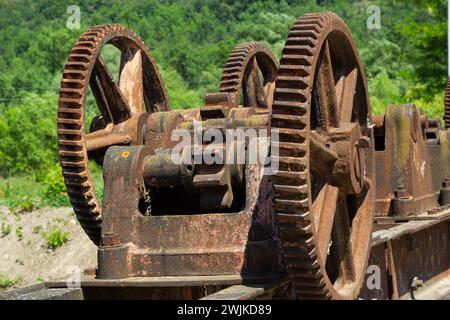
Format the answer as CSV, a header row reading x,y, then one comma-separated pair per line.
x,y
342,173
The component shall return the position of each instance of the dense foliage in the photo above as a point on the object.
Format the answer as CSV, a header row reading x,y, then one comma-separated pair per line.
x,y
405,59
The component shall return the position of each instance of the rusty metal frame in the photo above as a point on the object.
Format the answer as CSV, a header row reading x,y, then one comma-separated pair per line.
x,y
403,169
207,244
409,252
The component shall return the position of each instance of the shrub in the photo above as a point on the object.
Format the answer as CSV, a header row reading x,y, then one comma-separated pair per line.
x,y
25,204
54,191
55,238
20,194
28,140
6,282
97,178
383,92
19,233
6,229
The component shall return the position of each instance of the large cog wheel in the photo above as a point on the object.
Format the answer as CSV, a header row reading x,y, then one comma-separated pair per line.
x,y
324,188
123,106
251,68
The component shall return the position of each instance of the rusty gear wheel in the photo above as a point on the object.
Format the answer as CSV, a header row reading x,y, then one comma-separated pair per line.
x,y
324,188
447,105
252,68
123,108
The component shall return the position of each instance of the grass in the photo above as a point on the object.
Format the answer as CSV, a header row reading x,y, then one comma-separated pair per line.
x,y
26,193
19,233
6,229
97,177
55,238
37,229
6,282
20,194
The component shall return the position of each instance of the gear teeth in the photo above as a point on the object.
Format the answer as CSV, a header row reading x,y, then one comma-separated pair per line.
x,y
298,50
291,164
234,69
290,178
291,232
312,273
284,121
290,192
291,150
292,135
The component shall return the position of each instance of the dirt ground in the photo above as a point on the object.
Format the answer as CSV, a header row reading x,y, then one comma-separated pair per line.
x,y
28,260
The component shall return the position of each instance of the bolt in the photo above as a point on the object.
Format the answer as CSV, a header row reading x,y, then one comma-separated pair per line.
x,y
126,140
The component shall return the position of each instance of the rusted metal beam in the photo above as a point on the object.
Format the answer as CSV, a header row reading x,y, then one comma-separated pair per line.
x,y
254,292
409,253
238,292
404,172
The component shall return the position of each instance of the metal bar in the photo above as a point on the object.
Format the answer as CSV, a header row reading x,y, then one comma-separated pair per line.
x,y
10,295
406,228
238,292
409,255
253,292
393,271
35,293
169,281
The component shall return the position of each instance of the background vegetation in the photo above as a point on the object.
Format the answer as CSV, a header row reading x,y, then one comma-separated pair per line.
x,y
405,61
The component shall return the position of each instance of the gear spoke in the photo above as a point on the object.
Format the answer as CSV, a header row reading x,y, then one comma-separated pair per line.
x,y
269,89
341,251
131,80
362,203
107,93
345,90
323,210
253,86
100,98
325,91
155,99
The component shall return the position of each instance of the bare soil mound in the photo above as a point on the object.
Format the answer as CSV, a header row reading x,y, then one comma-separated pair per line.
x,y
26,254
